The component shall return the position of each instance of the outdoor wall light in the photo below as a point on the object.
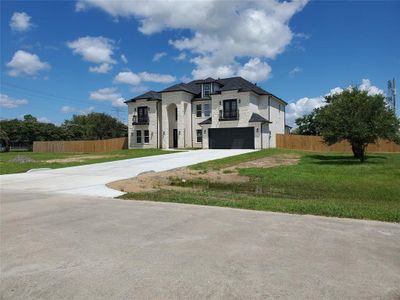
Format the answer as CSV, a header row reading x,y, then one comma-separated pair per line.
x,y
163,133
205,131
257,130
239,100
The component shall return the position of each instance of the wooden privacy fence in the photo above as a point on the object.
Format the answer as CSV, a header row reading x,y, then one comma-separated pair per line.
x,y
81,146
315,143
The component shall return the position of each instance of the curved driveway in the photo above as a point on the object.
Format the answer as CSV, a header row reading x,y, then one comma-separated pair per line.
x,y
91,179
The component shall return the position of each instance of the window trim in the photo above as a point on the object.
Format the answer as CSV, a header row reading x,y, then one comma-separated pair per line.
x,y
197,110
209,109
210,90
144,136
199,136
139,137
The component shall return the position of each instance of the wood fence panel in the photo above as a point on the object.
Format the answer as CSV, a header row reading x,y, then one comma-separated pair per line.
x,y
315,143
81,146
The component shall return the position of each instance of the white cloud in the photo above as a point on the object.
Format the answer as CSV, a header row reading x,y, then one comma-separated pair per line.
x,y
25,63
98,50
101,69
371,89
306,105
131,78
20,21
127,77
302,107
67,109
294,71
158,56
43,120
221,33
255,70
9,102
124,59
108,94
181,56
155,77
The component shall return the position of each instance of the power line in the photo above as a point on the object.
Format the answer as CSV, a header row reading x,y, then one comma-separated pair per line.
x,y
47,95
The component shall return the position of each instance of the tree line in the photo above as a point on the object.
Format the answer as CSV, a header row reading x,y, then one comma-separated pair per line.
x,y
93,126
354,116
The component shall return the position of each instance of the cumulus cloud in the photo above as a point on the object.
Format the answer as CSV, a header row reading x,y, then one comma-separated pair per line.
x,y
67,109
87,110
255,70
155,77
97,50
124,59
158,56
181,56
128,77
25,63
21,22
108,94
220,34
9,102
294,71
101,69
306,105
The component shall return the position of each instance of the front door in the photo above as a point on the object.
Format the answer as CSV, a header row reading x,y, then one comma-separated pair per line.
x,y
175,138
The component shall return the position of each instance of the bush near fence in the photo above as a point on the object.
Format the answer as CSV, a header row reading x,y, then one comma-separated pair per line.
x,y
81,146
315,143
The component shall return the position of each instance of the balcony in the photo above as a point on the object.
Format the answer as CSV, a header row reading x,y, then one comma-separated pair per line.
x,y
228,115
141,120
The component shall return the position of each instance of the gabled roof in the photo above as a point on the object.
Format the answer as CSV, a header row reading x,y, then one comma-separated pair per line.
x,y
150,95
207,121
257,118
194,87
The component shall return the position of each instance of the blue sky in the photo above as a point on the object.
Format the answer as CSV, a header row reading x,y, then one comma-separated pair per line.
x,y
64,57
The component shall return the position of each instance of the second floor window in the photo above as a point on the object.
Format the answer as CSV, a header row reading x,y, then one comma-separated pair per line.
x,y
143,116
207,110
198,110
230,110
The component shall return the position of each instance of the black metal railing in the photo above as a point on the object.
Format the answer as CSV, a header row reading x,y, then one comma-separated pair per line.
x,y
140,120
227,115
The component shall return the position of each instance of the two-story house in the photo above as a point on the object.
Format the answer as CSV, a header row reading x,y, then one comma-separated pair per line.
x,y
229,113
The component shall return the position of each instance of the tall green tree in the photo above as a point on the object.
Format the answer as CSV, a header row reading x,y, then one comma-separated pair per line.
x,y
306,125
357,117
95,126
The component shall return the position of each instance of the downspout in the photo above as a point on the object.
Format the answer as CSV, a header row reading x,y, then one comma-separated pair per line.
x,y
157,123
191,123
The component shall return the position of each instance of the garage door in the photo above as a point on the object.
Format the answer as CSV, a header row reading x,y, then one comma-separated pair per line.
x,y
231,138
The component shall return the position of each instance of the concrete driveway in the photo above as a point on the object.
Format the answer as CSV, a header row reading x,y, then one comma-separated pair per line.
x,y
81,247
91,179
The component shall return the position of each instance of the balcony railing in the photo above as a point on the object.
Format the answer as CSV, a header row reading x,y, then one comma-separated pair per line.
x,y
140,120
228,115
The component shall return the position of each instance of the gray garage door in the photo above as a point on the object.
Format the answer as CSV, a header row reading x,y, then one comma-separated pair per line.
x,y
231,138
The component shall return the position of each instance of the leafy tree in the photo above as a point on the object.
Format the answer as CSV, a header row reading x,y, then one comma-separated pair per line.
x,y
357,117
95,126
306,125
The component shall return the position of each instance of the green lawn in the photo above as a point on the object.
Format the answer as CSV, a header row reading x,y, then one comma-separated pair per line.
x,y
7,167
321,184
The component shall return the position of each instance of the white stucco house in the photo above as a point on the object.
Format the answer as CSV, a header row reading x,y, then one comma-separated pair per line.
x,y
211,113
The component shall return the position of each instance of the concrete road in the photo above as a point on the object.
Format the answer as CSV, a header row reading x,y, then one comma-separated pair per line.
x,y
91,179
80,247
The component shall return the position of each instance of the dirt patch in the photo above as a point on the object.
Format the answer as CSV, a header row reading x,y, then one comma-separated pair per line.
x,y
152,181
79,158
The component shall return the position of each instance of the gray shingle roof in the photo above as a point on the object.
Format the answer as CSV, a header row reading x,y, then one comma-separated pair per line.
x,y
207,121
225,84
257,118
150,95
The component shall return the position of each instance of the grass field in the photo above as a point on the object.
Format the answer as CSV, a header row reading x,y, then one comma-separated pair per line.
x,y
321,184
41,159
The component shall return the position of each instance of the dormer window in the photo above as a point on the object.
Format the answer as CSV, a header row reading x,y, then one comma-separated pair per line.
x,y
207,90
